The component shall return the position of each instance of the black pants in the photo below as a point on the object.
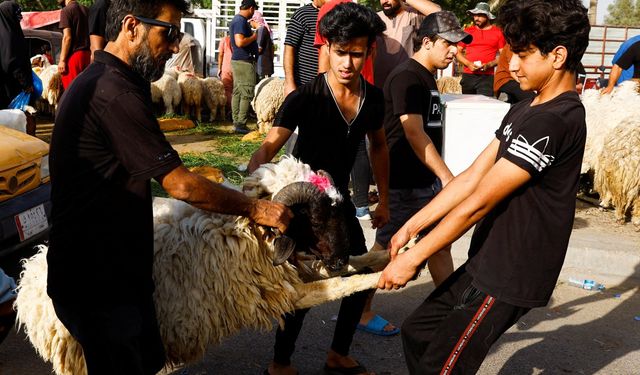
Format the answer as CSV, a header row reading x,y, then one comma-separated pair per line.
x,y
350,309
361,176
514,92
477,84
119,339
453,330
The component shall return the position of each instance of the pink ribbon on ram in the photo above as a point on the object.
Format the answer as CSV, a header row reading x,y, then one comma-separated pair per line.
x,y
321,182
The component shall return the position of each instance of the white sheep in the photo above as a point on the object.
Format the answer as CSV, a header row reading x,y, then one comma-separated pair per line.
x,y
166,91
601,120
213,274
51,85
191,88
214,97
618,171
267,99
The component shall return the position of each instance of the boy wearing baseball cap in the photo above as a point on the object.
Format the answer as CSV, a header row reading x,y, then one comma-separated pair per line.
x,y
519,193
412,101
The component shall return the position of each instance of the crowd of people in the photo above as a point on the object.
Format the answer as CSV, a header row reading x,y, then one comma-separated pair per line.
x,y
360,92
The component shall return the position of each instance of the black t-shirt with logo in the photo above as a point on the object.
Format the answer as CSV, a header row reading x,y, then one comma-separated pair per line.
x,y
410,89
517,251
325,140
105,148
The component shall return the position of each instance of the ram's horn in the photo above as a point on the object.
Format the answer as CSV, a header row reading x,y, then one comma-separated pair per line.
x,y
297,192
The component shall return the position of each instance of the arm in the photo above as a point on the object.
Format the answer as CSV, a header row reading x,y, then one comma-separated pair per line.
x,y
499,182
97,43
220,56
616,71
64,50
455,192
288,65
425,7
493,63
196,190
379,156
463,59
243,41
424,148
272,143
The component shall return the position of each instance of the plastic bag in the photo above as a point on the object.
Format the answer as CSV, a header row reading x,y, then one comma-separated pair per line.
x,y
37,84
21,101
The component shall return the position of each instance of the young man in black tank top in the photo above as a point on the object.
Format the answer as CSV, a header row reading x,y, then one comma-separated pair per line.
x,y
334,112
522,186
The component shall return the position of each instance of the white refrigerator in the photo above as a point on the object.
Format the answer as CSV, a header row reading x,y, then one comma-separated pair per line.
x,y
469,123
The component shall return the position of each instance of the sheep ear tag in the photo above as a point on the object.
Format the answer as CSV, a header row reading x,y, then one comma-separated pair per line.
x,y
283,248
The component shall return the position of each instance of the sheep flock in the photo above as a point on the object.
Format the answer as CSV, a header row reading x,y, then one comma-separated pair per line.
x,y
214,275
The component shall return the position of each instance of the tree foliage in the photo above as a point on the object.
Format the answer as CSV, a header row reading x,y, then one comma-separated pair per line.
x,y
623,13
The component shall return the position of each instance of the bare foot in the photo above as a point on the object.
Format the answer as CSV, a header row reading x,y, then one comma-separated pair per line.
x,y
335,360
276,369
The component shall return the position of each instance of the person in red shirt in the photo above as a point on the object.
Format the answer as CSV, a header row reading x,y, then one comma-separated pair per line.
x,y
481,55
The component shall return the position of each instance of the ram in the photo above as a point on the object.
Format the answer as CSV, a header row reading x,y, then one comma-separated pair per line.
x,y
215,274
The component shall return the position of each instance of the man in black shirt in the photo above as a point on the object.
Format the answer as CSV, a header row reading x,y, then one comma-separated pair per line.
x,y
414,133
522,186
106,146
631,57
334,112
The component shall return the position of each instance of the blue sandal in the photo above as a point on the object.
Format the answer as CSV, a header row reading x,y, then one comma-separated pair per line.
x,y
376,326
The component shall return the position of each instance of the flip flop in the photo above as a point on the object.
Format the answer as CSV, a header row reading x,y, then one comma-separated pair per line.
x,y
376,326
359,369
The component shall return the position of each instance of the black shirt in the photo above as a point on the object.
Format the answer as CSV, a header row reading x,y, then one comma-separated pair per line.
x,y
325,140
105,148
517,250
410,89
76,17
631,57
240,25
98,18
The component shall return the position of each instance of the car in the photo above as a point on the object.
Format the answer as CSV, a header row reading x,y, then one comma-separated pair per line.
x,y
25,189
37,39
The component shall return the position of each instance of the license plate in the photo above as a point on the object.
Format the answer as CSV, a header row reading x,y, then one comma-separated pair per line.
x,y
31,222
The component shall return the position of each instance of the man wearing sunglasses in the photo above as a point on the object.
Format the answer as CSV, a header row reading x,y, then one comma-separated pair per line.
x,y
243,64
105,148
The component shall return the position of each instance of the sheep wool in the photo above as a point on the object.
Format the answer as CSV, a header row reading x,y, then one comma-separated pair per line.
x,y
166,91
449,85
191,88
267,99
214,275
612,147
619,169
214,97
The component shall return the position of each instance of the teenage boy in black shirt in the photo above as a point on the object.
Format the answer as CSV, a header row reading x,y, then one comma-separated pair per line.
x,y
522,186
414,135
333,113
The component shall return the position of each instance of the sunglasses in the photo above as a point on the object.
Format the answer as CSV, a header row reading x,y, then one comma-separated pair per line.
x,y
173,33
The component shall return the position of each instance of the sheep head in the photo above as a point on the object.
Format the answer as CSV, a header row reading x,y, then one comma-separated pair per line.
x,y
318,226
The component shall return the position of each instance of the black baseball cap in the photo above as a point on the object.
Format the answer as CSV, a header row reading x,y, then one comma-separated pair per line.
x,y
248,3
444,24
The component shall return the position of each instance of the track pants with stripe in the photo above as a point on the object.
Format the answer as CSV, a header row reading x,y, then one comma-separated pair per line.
x,y
452,331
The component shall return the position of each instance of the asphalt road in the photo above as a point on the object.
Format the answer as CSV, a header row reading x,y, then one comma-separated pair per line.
x,y
580,332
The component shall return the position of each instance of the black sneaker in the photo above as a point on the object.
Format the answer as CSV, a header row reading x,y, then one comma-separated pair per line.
x,y
241,129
